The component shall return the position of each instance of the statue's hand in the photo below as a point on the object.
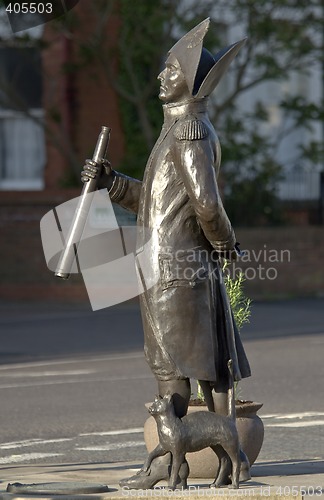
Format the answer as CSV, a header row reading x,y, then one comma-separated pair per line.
x,y
90,171
232,254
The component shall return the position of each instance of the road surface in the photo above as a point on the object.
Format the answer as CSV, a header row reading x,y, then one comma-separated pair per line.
x,y
73,383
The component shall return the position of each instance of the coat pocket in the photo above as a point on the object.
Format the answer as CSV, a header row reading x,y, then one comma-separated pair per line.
x,y
177,271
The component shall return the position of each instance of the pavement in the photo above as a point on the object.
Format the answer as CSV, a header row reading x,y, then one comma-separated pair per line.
x,y
289,479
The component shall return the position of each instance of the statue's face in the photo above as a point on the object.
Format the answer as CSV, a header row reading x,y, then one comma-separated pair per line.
x,y
173,83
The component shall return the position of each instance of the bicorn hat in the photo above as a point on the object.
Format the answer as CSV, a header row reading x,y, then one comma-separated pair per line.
x,y
188,51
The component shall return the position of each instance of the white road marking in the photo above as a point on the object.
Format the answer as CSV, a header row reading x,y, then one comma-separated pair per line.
x,y
26,457
313,423
112,446
31,442
73,381
303,419
50,373
37,442
292,462
301,415
282,419
110,357
115,433
293,415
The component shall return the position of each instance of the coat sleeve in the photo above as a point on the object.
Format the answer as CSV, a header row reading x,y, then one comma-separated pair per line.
x,y
195,160
125,191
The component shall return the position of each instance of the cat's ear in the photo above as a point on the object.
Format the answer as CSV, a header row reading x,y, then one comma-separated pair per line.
x,y
168,397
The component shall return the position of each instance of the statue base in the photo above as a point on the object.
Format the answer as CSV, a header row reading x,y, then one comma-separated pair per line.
x,y
57,488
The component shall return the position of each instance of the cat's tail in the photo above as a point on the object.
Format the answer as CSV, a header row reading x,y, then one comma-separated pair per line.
x,y
231,395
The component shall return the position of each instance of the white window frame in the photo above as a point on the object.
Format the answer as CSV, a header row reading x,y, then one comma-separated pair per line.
x,y
21,183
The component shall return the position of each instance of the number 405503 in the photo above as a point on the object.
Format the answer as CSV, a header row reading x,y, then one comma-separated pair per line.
x,y
30,8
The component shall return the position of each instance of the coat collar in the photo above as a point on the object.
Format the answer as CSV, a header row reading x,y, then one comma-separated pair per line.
x,y
175,111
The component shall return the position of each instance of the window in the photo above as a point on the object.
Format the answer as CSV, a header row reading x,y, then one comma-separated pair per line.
x,y
22,150
22,139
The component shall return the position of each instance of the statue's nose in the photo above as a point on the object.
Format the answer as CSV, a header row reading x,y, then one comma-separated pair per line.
x,y
161,75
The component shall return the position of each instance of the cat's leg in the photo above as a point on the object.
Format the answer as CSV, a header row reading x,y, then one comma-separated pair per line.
x,y
215,450
181,392
160,466
177,461
233,450
220,398
216,395
224,467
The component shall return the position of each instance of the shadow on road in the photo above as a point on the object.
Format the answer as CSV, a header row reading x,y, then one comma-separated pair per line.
x,y
39,331
293,467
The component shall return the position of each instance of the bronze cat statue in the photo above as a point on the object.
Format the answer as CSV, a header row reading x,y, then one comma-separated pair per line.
x,y
194,432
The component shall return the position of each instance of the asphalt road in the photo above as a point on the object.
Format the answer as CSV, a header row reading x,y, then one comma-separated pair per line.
x,y
73,383
30,331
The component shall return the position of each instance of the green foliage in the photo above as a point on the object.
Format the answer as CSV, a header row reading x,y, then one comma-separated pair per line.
x,y
303,112
285,43
141,32
200,394
240,304
250,177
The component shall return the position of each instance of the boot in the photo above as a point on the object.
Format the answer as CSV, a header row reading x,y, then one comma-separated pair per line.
x,y
245,472
160,470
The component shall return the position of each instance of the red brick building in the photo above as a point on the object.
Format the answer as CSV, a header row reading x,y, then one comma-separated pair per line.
x,y
83,98
72,106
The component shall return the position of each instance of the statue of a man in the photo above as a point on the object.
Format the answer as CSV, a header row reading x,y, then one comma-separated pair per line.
x,y
189,330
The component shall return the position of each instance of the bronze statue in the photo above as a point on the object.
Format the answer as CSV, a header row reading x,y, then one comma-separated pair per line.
x,y
195,432
189,330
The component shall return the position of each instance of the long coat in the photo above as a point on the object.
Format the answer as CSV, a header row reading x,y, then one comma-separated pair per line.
x,y
188,325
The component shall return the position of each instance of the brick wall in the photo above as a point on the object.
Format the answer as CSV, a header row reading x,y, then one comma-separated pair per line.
x,y
54,104
96,102
280,262
23,270
76,103
283,262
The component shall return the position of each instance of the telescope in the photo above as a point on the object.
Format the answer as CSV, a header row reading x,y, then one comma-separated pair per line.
x,y
73,238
